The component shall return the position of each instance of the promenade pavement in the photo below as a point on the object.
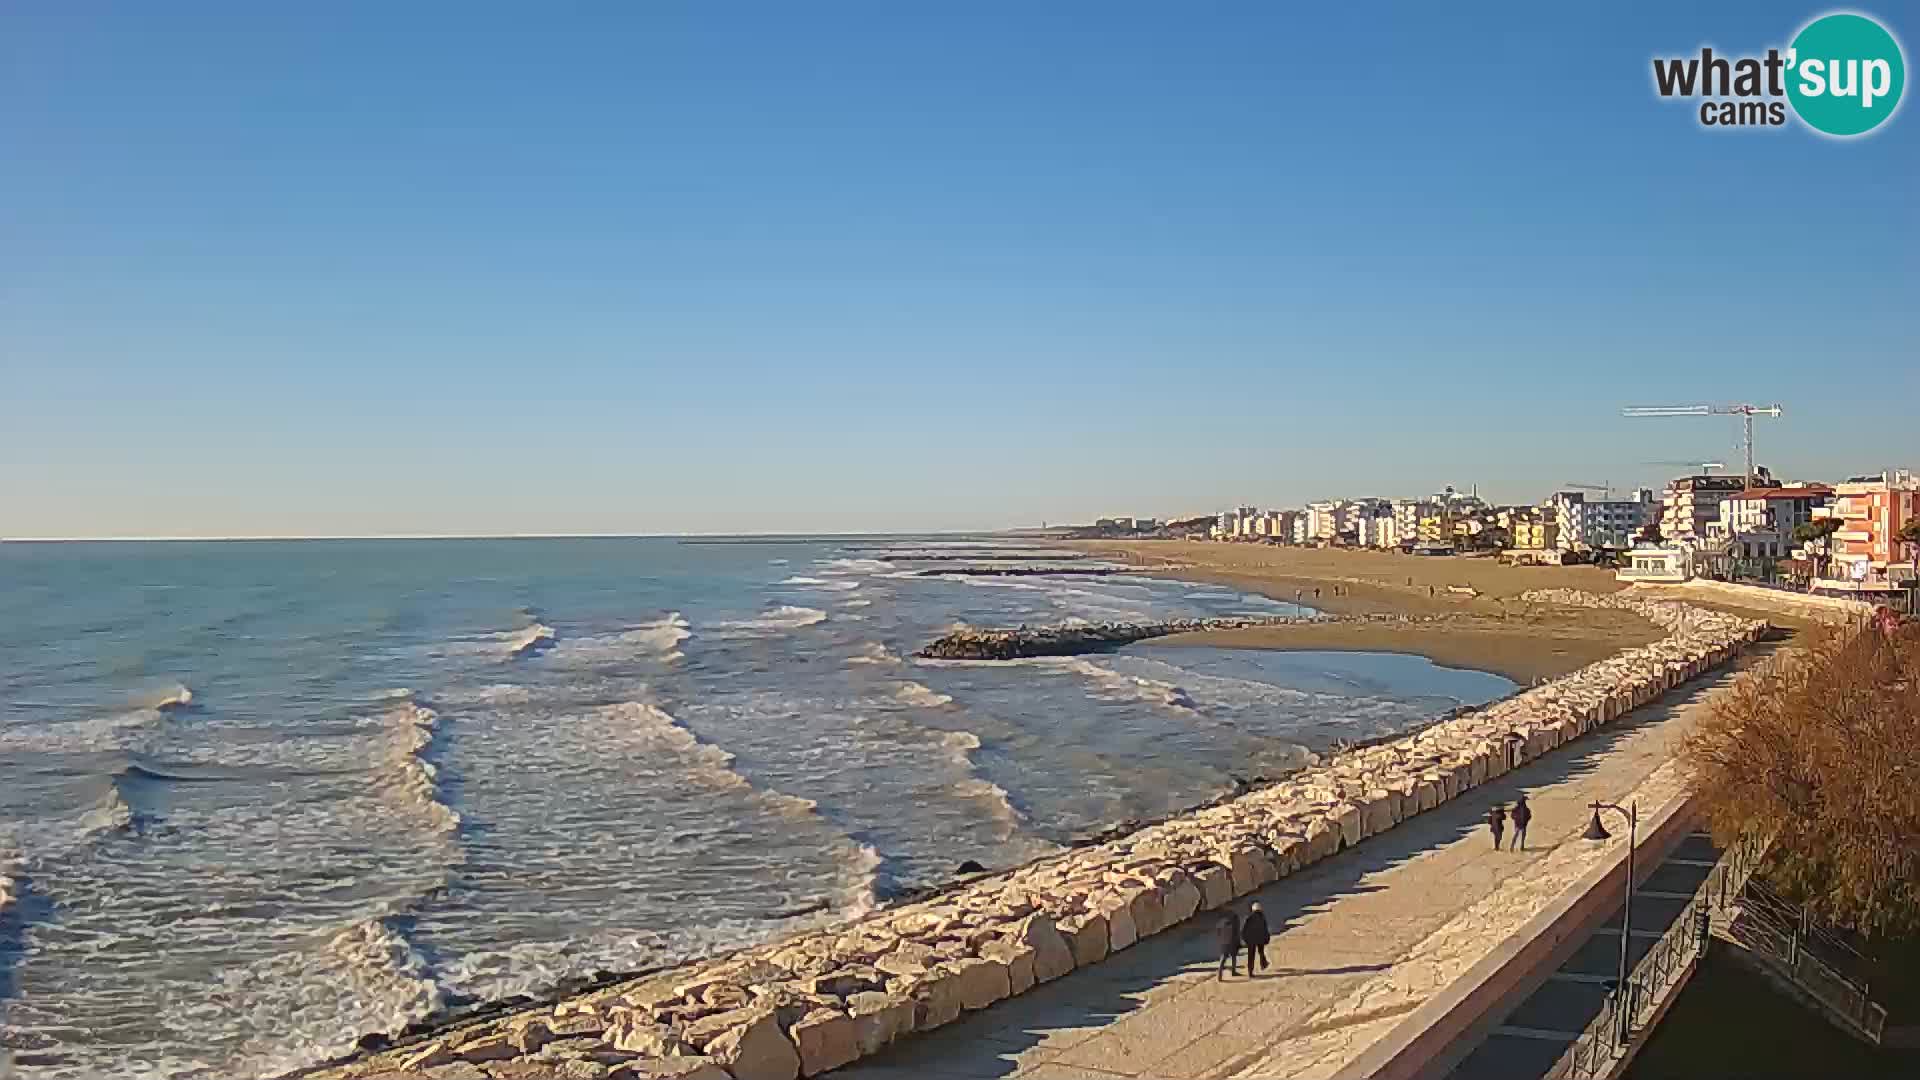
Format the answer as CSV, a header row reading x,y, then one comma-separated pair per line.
x,y
1360,939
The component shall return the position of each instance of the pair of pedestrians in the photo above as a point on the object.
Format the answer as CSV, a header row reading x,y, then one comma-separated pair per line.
x,y
1232,933
1521,815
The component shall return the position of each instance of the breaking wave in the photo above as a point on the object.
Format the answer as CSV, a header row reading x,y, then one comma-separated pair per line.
x,y
714,766
858,601
855,566
659,638
530,640
406,775
173,700
913,693
110,815
821,583
778,620
1007,818
873,653
1118,685
386,972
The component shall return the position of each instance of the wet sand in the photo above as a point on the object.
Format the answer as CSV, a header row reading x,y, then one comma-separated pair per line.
x,y
1491,631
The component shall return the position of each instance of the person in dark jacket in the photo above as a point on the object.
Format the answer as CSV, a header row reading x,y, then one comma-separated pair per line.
x,y
1228,934
1255,933
1522,813
1497,821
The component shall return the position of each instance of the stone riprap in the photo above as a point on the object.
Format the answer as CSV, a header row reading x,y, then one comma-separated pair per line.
x,y
809,1004
1072,639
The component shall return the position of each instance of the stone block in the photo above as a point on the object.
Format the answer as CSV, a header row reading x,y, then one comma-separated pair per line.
x,y
1216,885
1350,818
1018,958
1087,935
1148,909
878,1019
825,1039
1180,901
757,1050
981,982
1052,955
679,1068
936,998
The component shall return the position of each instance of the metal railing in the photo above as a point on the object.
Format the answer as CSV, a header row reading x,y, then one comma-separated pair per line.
x,y
1609,1034
1821,963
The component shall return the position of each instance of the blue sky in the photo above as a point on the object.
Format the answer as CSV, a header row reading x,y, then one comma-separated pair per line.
x,y
446,268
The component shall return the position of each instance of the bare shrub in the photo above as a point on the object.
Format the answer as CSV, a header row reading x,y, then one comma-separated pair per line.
x,y
1823,752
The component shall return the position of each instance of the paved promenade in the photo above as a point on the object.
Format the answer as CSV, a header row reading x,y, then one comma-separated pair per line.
x,y
1360,939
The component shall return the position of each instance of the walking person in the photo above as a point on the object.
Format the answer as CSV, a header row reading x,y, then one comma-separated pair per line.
x,y
1522,813
1497,821
1227,931
1255,933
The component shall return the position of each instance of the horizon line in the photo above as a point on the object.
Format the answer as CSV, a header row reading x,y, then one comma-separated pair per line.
x,y
500,536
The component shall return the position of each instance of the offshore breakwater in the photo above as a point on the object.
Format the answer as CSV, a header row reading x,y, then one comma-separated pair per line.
x,y
812,1003
1073,639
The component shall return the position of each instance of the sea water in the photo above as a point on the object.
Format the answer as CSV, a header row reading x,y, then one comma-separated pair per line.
x,y
260,798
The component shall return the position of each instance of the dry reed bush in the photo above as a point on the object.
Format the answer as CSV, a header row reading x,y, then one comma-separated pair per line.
x,y
1823,751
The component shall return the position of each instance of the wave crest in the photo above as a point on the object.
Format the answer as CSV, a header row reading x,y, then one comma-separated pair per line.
x,y
530,640
776,621
407,776
921,696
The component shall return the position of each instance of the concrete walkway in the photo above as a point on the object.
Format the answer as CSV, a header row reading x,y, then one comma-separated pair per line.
x,y
1361,939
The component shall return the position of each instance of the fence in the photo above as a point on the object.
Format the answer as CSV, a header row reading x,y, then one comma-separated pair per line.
x,y
1607,1038
1822,964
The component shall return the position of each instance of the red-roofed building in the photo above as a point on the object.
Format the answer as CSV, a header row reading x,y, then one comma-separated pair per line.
x,y
1757,523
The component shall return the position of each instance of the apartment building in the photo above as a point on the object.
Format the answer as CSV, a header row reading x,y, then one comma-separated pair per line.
x,y
1868,555
1601,523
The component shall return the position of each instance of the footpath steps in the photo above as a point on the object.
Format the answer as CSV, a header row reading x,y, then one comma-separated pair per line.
x,y
822,1000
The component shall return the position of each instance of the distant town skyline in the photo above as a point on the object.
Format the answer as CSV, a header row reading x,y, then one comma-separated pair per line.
x,y
854,267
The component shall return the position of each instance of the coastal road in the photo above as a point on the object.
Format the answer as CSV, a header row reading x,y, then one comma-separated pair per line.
x,y
1361,939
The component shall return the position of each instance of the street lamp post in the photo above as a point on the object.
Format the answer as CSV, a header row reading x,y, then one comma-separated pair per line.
x,y
1597,831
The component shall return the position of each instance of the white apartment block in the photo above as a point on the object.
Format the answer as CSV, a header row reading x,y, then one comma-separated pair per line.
x,y
1596,523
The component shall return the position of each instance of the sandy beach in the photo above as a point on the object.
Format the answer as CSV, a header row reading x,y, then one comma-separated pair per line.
x,y
1489,631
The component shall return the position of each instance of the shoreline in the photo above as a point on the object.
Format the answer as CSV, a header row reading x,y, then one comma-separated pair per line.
x,y
810,1003
1494,631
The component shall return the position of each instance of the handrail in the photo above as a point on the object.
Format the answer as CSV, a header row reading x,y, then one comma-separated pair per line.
x,y
1607,1036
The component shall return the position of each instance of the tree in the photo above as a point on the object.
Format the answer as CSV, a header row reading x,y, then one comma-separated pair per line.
x,y
1822,752
1650,534
1909,534
1819,531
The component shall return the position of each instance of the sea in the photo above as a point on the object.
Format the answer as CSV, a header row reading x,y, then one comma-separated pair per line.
x,y
259,798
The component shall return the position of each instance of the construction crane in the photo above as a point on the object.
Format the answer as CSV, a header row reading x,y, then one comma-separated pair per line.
x,y
1745,412
1605,490
1703,466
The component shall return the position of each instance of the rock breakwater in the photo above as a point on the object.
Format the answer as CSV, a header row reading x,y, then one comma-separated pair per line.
x,y
812,1003
1073,639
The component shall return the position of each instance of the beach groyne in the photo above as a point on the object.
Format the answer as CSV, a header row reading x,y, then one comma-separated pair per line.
x,y
1073,639
815,1002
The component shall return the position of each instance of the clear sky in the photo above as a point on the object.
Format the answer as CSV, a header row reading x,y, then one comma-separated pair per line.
x,y
376,268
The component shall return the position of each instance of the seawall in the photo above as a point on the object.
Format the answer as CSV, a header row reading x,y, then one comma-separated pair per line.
x,y
815,1002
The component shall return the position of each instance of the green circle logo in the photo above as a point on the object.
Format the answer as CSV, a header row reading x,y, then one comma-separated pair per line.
x,y
1845,74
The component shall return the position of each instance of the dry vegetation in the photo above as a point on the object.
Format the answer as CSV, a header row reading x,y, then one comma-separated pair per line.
x,y
1823,751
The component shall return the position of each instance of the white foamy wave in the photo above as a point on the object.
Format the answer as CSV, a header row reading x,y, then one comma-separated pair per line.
x,y
386,973
406,776
173,700
854,566
960,745
110,814
916,694
779,620
873,653
1118,685
862,894
856,602
659,638
530,640
821,583
656,727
